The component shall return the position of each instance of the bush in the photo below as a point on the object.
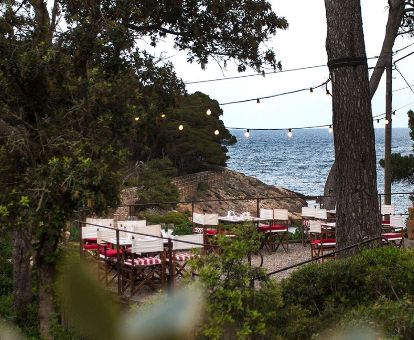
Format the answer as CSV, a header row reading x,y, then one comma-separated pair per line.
x,y
323,293
154,182
182,224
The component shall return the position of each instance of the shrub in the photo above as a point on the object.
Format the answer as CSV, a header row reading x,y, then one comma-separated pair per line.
x,y
182,224
323,293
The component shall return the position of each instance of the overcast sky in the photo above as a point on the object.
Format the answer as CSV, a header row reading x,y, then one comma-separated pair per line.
x,y
303,44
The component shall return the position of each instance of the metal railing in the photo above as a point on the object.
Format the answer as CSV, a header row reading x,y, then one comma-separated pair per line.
x,y
318,198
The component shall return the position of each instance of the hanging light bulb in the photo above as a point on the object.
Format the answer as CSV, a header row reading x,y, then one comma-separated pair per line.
x,y
311,90
290,134
328,93
387,121
136,118
162,115
378,121
216,132
247,133
258,100
393,112
208,112
180,127
330,129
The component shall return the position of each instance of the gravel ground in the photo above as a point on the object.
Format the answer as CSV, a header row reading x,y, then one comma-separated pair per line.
x,y
281,259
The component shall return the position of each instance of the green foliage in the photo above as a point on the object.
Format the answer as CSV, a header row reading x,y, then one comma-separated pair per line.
x,y
70,94
323,293
233,308
395,318
181,221
154,182
196,147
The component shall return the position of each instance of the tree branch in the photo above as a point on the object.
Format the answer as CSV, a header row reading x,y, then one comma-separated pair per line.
x,y
153,27
395,17
55,11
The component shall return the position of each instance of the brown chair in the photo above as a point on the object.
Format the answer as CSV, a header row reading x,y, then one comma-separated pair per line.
x,y
276,233
393,234
183,252
144,265
322,239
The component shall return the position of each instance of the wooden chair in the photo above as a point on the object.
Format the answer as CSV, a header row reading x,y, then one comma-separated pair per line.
x,y
89,238
128,226
208,225
276,233
393,234
308,213
386,211
322,240
321,215
107,254
183,252
145,265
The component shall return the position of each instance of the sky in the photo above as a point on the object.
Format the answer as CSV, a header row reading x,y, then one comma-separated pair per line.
x,y
302,44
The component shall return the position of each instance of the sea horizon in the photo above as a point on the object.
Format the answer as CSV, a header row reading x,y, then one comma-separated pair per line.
x,y
302,163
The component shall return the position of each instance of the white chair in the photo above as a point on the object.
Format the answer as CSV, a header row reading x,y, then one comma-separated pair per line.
x,y
147,230
89,238
203,221
126,227
394,232
102,222
387,209
266,213
321,214
180,259
146,270
321,239
276,233
308,213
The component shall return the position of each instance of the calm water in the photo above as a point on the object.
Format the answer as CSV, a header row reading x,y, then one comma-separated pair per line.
x,y
302,163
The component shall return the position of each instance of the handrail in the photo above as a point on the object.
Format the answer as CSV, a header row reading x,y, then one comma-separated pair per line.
x,y
299,196
317,258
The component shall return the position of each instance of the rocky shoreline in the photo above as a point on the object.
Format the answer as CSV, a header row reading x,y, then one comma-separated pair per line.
x,y
224,190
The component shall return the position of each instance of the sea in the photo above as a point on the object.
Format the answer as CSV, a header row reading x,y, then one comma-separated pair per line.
x,y
302,163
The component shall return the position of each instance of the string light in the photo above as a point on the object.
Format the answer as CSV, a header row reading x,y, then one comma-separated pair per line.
x,y
290,134
180,127
330,129
136,118
247,133
311,90
386,121
162,115
276,95
216,132
327,92
377,117
208,112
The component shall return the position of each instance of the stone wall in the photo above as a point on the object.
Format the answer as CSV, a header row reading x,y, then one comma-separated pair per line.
x,y
188,185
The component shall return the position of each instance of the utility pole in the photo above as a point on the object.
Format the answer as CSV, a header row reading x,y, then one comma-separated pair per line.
x,y
388,132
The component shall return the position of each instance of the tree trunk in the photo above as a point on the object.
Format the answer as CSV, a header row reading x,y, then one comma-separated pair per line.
x,y
356,182
395,17
45,287
45,265
22,283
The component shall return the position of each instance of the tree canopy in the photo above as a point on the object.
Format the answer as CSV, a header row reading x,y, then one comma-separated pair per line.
x,y
74,80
